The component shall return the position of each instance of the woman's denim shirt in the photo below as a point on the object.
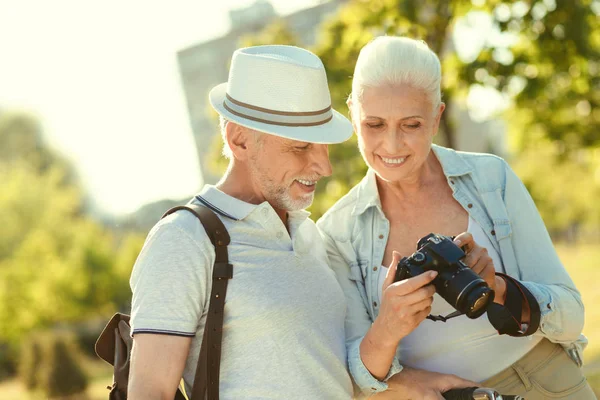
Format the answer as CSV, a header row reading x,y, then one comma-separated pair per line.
x,y
355,231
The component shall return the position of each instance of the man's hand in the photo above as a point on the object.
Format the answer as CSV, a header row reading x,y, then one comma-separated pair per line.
x,y
418,384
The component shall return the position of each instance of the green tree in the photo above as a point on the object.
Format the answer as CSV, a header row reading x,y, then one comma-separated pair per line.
x,y
57,264
61,374
542,56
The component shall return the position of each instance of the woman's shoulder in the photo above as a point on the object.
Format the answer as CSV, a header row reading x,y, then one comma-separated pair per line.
x,y
469,157
484,166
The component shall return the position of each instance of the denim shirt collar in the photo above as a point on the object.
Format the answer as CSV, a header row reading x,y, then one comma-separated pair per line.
x,y
368,193
452,163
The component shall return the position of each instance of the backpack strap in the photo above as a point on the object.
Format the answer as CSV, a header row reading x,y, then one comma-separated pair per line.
x,y
206,380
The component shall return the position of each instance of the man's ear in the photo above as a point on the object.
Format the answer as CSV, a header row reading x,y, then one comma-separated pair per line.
x,y
238,138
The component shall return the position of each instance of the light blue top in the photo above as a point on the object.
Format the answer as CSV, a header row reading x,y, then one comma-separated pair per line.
x,y
356,231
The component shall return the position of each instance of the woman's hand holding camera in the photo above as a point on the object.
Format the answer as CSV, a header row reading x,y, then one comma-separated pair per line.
x,y
404,306
481,263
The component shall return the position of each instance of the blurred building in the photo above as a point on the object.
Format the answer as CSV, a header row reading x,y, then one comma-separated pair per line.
x,y
207,64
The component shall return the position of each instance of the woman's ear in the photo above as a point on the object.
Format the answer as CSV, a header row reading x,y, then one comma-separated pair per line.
x,y
349,104
438,116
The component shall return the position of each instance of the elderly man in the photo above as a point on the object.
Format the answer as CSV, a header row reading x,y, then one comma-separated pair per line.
x,y
283,329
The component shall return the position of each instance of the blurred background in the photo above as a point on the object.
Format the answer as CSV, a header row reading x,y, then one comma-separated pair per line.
x,y
105,124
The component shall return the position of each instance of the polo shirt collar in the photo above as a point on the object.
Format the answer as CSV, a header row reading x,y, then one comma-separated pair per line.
x,y
224,204
237,209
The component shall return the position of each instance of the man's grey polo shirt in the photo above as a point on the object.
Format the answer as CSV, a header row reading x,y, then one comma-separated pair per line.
x,y
283,332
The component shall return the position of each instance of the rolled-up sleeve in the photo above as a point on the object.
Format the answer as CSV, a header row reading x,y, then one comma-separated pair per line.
x,y
562,311
367,383
358,320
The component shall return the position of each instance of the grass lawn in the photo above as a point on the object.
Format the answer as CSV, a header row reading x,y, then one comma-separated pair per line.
x,y
581,261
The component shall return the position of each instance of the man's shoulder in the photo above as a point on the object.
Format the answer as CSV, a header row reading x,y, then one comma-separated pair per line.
x,y
180,224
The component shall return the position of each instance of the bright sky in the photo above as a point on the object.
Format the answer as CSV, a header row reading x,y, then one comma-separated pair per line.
x,y
103,78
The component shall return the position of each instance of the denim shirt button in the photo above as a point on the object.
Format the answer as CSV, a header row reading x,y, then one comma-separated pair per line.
x,y
380,236
470,205
375,268
493,232
374,304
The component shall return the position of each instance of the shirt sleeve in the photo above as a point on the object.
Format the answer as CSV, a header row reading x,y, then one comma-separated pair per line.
x,y
562,312
358,320
170,279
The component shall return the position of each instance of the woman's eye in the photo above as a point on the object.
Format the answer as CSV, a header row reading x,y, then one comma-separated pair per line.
x,y
413,126
374,126
303,147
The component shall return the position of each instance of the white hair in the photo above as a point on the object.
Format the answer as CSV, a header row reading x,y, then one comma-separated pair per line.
x,y
226,149
389,60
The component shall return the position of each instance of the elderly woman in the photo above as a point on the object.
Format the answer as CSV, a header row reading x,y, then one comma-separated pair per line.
x,y
413,188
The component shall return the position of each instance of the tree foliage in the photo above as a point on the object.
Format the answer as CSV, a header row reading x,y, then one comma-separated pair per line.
x,y
57,264
60,373
541,56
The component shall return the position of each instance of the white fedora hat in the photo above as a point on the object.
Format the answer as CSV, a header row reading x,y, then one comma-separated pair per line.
x,y
281,90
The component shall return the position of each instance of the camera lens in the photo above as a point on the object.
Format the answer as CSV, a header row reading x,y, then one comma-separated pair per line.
x,y
478,300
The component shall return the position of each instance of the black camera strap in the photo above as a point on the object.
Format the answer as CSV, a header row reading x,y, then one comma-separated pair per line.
x,y
444,319
507,319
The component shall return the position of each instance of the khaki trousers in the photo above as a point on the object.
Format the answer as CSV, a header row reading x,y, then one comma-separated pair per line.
x,y
546,372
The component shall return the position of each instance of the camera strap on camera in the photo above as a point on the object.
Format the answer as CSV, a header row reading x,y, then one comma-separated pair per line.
x,y
507,318
446,318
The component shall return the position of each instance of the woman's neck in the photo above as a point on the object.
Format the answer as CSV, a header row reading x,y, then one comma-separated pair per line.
x,y
397,191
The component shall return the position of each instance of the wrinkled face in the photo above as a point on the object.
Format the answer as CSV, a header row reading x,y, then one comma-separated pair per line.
x,y
395,127
285,172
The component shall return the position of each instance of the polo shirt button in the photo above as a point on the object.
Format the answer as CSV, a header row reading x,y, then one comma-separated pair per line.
x,y
374,304
380,236
470,205
265,212
493,232
375,268
279,235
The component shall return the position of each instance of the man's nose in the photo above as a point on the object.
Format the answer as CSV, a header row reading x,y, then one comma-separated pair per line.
x,y
321,163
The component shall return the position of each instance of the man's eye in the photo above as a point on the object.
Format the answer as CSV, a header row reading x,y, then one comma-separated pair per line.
x,y
413,126
374,126
303,147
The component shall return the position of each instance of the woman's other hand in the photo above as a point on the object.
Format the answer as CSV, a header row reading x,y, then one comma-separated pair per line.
x,y
482,264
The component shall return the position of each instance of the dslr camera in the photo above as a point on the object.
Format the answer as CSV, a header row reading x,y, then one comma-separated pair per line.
x,y
456,282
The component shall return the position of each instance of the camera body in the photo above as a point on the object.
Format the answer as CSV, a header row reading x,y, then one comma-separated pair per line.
x,y
466,291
